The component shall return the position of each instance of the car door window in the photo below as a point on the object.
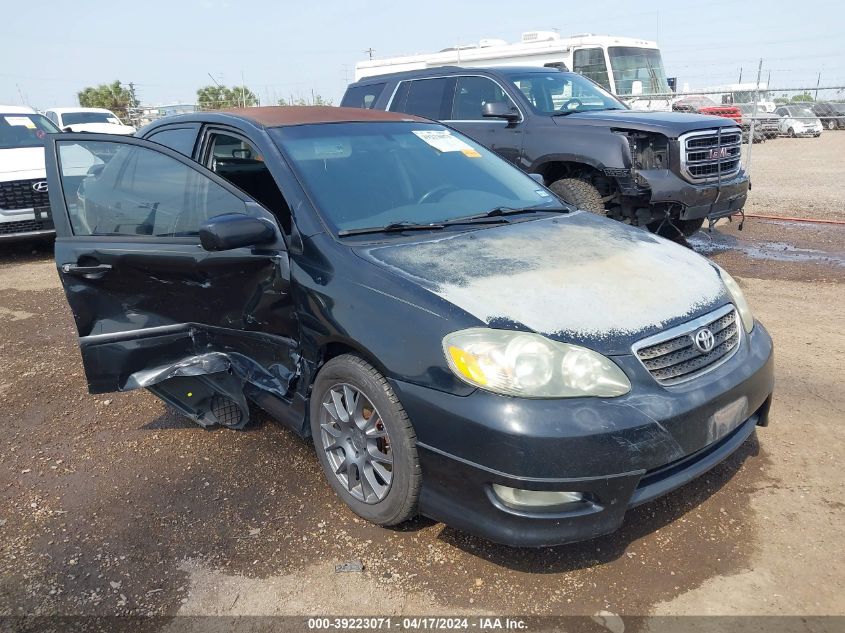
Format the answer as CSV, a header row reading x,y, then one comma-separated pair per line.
x,y
472,93
121,189
430,98
238,161
180,139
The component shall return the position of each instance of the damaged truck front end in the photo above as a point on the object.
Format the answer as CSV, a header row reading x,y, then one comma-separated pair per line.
x,y
684,180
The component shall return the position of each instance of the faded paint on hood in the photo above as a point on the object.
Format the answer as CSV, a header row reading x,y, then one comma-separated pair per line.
x,y
571,277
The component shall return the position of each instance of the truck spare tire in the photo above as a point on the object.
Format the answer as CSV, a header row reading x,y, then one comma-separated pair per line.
x,y
580,194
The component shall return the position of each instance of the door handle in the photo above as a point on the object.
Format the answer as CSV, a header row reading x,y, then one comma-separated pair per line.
x,y
89,272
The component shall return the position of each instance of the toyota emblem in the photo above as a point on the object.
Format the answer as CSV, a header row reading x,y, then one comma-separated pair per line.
x,y
40,187
704,340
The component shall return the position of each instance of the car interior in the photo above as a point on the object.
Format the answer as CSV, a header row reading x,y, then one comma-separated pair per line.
x,y
242,165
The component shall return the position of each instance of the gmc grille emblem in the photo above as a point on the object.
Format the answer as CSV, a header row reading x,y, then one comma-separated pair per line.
x,y
719,152
40,187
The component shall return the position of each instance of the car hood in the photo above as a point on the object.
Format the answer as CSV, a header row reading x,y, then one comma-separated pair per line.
x,y
672,124
575,278
21,163
102,128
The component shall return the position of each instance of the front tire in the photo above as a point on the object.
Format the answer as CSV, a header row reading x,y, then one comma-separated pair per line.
x,y
580,193
365,441
791,133
831,125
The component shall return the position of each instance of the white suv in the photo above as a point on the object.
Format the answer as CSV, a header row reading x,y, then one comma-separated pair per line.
x,y
97,120
24,205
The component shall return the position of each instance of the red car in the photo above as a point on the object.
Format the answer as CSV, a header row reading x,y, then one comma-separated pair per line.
x,y
704,105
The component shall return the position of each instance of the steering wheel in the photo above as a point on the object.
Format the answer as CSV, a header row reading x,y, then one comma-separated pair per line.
x,y
432,195
571,104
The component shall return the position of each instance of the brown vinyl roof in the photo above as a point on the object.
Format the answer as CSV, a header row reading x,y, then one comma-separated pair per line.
x,y
276,116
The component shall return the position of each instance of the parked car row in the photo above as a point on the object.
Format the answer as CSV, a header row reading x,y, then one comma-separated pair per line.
x,y
24,206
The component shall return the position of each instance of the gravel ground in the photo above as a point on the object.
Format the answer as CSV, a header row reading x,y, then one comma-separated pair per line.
x,y
114,505
799,177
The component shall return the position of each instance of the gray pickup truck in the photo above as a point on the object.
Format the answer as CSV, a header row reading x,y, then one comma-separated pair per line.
x,y
665,171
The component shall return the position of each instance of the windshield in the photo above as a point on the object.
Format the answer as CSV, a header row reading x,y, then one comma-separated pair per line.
x,y
363,175
79,118
631,63
24,130
801,112
557,92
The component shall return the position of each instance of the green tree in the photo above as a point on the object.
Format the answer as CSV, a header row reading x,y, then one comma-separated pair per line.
x,y
802,97
315,100
111,96
217,97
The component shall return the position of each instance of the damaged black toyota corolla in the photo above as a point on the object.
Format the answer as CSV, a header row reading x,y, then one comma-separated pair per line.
x,y
457,342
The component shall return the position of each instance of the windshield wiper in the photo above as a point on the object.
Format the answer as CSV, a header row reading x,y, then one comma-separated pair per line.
x,y
498,212
393,227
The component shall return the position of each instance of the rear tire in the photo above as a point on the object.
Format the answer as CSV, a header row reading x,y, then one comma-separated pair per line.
x,y
791,133
580,194
386,432
831,125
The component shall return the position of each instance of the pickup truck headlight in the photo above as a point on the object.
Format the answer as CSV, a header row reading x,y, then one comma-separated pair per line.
x,y
738,299
648,150
531,366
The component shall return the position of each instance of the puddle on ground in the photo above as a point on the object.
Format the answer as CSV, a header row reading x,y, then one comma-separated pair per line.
x,y
713,243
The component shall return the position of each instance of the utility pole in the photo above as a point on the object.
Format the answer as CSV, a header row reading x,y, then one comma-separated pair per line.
x,y
754,116
739,81
818,79
370,51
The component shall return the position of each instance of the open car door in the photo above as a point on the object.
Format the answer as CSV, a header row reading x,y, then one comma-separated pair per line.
x,y
177,280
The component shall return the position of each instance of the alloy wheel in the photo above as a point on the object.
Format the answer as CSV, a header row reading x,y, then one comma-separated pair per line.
x,y
356,443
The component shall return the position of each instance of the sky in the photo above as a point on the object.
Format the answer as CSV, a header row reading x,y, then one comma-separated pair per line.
x,y
168,49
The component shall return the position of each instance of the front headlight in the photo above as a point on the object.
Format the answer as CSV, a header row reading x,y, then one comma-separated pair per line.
x,y
738,298
531,366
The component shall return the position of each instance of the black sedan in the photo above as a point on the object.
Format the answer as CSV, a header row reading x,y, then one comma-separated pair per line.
x,y
455,340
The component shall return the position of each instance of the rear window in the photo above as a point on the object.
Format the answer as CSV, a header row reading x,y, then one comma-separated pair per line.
x,y
362,96
24,130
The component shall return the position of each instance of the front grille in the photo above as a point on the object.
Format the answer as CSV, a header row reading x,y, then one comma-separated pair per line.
x,y
19,194
24,226
672,357
711,154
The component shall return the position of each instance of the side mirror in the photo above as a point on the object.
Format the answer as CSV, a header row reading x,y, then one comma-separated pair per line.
x,y
67,129
499,110
234,230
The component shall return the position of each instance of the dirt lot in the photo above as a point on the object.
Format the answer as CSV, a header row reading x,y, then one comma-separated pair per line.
x,y
113,505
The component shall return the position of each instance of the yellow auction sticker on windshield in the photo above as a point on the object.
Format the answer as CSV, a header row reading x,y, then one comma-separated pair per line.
x,y
443,141
471,153
24,121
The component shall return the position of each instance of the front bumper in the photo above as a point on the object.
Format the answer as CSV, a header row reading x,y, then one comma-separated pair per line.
x,y
618,452
705,200
26,224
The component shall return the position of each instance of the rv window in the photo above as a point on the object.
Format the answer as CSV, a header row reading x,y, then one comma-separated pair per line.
x,y
362,96
590,63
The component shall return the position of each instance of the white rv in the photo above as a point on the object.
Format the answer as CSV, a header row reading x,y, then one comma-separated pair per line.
x,y
625,66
